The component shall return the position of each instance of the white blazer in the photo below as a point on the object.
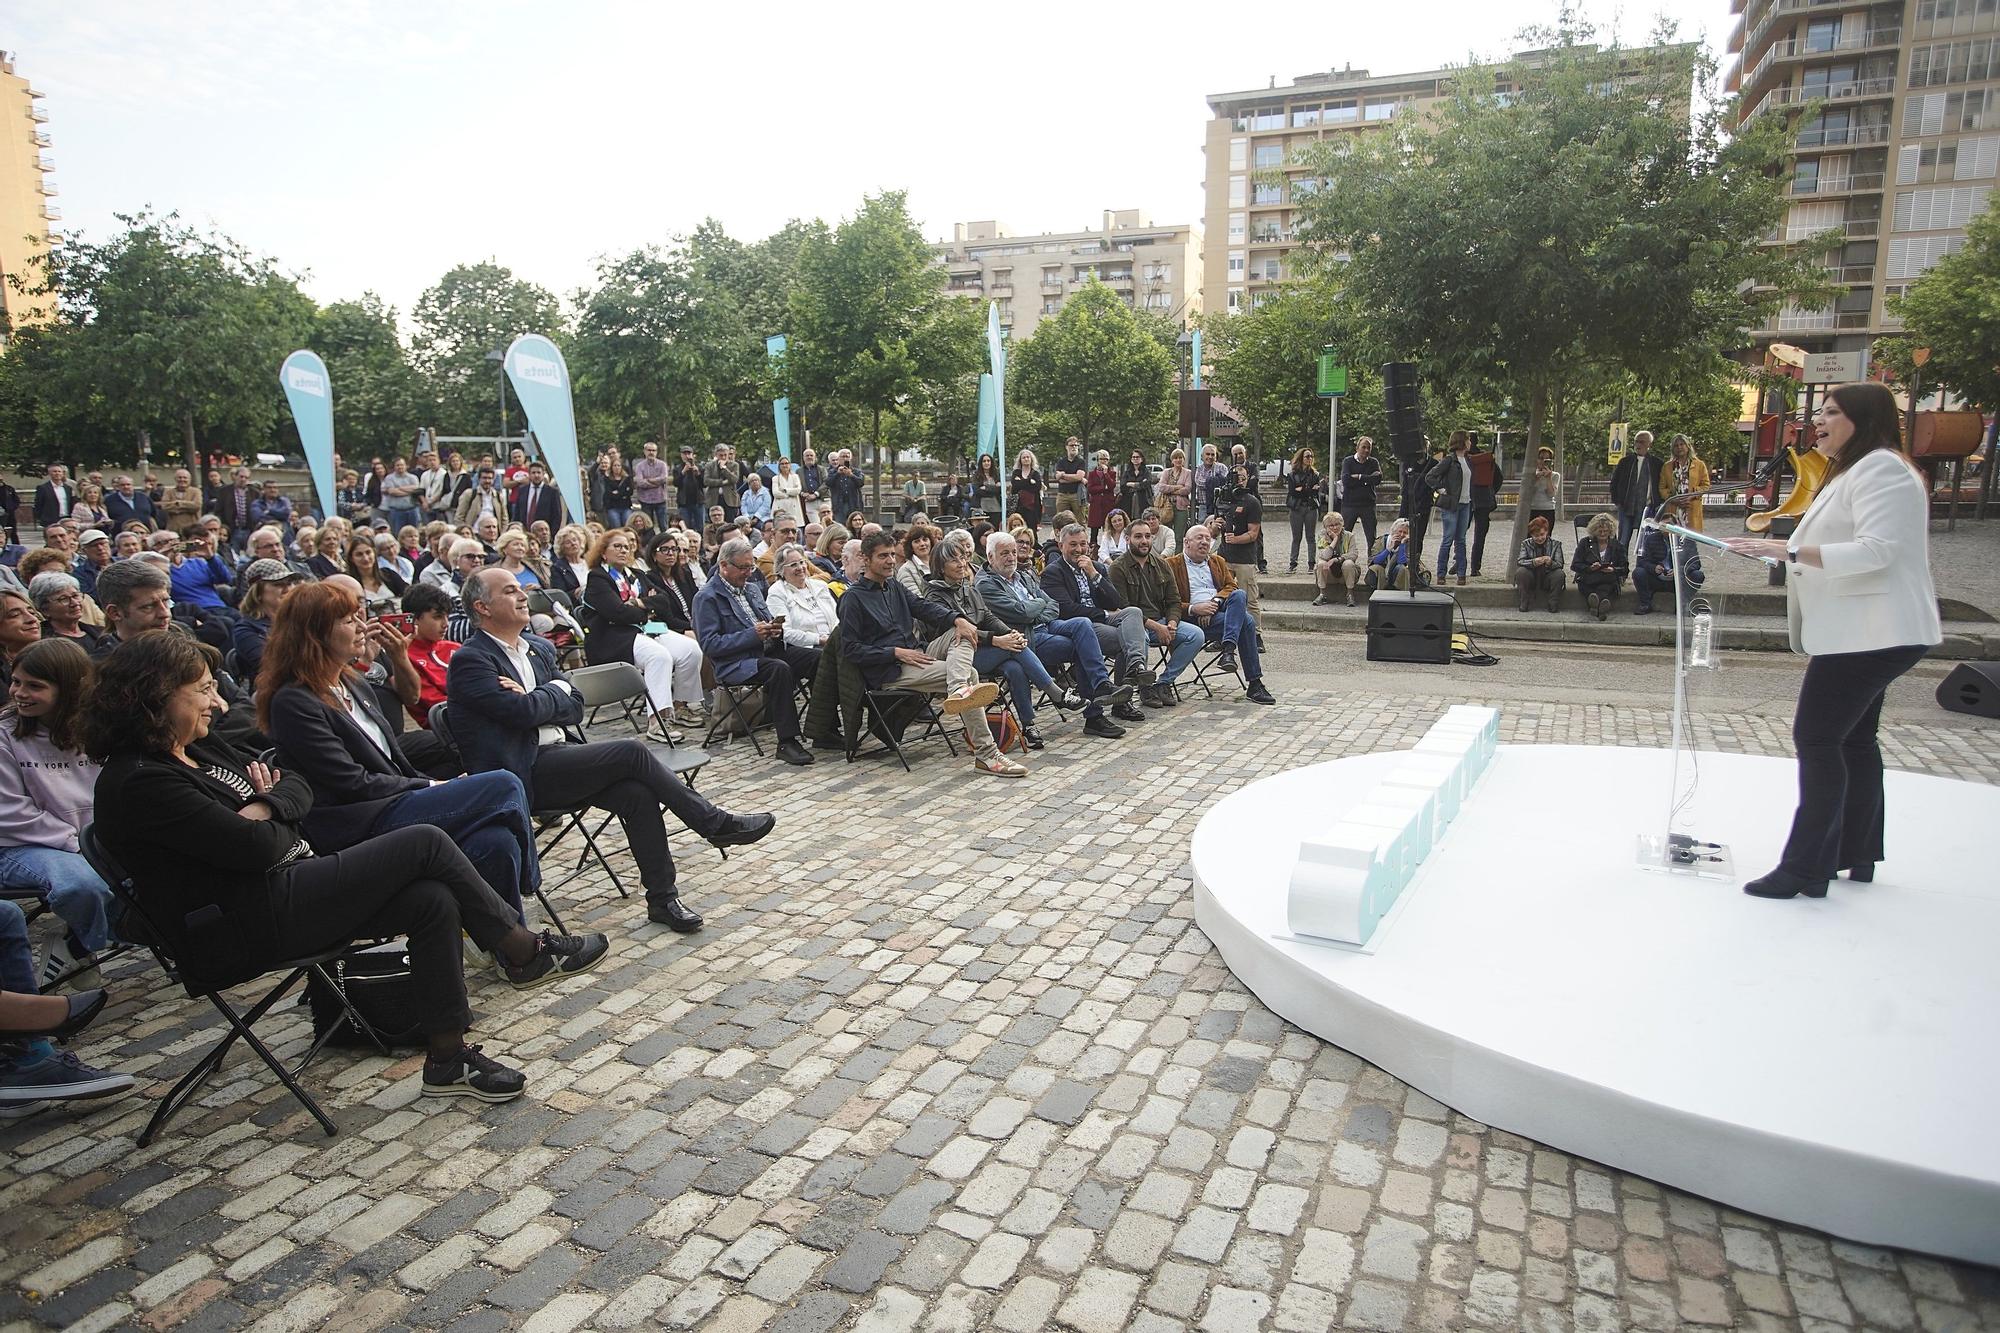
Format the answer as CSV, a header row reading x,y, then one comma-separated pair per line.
x,y
1872,528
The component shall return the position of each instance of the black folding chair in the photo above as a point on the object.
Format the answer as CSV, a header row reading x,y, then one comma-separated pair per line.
x,y
169,947
876,701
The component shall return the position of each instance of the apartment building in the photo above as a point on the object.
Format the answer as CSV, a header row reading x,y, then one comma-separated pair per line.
x,y
1899,151
1248,212
1151,268
25,190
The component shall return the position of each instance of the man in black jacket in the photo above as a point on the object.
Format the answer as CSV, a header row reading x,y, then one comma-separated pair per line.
x,y
878,634
1079,588
54,497
511,708
1635,486
1449,481
1360,474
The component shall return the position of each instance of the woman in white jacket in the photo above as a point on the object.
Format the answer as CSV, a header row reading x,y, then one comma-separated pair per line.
x,y
1862,609
46,796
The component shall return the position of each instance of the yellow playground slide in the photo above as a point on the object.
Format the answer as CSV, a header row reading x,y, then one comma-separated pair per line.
x,y
1808,471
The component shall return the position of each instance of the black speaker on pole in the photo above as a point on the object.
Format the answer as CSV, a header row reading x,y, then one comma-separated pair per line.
x,y
1409,627
1405,411
1195,414
1972,687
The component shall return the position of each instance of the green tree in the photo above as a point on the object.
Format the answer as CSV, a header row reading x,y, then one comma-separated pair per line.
x,y
1093,372
1265,362
1954,309
378,399
644,348
864,291
160,328
1591,222
473,310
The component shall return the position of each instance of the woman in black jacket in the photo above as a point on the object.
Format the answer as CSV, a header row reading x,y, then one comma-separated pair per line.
x,y
669,584
615,603
1600,566
220,860
986,488
1305,497
330,731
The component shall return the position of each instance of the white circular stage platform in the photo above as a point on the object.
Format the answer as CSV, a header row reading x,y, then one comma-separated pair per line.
x,y
1833,1063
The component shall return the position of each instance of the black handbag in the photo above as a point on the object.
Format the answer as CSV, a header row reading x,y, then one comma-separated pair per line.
x,y
377,982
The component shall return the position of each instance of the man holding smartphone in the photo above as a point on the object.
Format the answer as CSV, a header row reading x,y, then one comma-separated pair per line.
x,y
745,644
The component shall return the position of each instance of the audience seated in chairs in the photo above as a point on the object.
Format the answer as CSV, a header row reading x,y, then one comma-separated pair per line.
x,y
1014,595
216,845
511,709
60,601
669,584
20,629
1146,582
1000,648
137,596
804,602
615,613
1599,565
1538,571
45,801
878,634
266,583
330,731
569,562
381,589
914,573
745,646
1205,582
32,1071
1079,588
429,608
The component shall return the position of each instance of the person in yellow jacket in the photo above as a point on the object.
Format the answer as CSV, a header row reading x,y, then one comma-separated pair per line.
x,y
1685,472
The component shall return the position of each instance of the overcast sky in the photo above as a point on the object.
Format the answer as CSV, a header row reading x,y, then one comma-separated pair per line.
x,y
374,145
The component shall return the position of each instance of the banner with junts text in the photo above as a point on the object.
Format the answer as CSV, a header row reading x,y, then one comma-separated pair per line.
x,y
309,390
536,369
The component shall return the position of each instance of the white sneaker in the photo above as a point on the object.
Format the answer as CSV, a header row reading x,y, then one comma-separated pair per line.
x,y
59,963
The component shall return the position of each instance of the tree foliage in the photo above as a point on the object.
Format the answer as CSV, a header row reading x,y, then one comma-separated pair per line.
x,y
378,399
472,310
1093,371
1954,309
1585,224
644,350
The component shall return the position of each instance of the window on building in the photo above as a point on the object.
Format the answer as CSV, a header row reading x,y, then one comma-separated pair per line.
x,y
1159,300
1268,118
1050,306
1258,299
1239,190
1954,62
1238,153
1305,115
1268,192
1235,227
1269,271
1379,108
1341,113
1270,156
1912,256
1822,34
1159,273
1235,299
1938,210
1236,266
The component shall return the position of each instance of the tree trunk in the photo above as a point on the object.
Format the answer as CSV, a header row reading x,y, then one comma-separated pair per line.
x,y
1538,407
197,457
877,444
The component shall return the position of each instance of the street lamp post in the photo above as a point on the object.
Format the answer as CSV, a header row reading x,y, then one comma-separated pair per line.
x,y
499,358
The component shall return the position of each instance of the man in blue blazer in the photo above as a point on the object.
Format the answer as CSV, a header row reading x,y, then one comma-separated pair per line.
x,y
744,646
511,708
125,502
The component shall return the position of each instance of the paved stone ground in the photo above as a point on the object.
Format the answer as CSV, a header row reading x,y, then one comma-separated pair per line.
x,y
967,1065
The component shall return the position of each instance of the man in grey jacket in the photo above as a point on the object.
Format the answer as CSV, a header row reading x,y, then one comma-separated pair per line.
x,y
1011,593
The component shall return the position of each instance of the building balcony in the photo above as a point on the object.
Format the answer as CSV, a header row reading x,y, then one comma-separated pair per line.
x,y
1852,228
42,139
50,213
36,114
1800,48
1849,90
46,186
1849,135
1052,284
1815,321
1736,31
1000,289
45,164
1850,273
1860,182
1769,15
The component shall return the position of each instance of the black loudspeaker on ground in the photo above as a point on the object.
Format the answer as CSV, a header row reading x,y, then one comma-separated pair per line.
x,y
1409,627
1972,687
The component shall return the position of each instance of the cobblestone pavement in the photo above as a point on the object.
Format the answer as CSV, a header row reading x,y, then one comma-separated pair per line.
x,y
963,1064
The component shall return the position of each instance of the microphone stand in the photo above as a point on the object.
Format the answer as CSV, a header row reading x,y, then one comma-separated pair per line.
x,y
1682,853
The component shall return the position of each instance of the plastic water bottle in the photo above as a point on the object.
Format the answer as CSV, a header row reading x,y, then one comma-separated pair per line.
x,y
1701,636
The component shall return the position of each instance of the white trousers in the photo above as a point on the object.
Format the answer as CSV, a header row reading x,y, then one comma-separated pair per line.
x,y
672,666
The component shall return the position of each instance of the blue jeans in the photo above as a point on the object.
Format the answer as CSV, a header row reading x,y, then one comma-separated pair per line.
x,y
1021,670
17,957
1629,524
1188,638
1073,640
617,518
486,814
694,516
72,889
1457,522
1232,625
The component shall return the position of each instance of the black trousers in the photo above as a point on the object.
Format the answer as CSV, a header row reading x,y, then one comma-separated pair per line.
x,y
1839,820
778,671
1304,521
1482,519
1360,510
413,881
1597,581
624,778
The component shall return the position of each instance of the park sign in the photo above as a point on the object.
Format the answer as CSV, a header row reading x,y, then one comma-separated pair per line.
x,y
1835,367
309,391
1332,375
540,376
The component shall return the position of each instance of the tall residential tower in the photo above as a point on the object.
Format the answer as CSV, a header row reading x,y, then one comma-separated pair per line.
x,y
25,191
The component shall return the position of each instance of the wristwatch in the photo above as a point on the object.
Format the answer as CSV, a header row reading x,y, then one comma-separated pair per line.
x,y
1791,557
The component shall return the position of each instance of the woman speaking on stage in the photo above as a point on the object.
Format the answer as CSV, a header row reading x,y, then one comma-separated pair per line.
x,y
1859,598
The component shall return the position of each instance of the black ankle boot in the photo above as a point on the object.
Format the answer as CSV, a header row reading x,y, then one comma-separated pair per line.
x,y
1782,883
1863,873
